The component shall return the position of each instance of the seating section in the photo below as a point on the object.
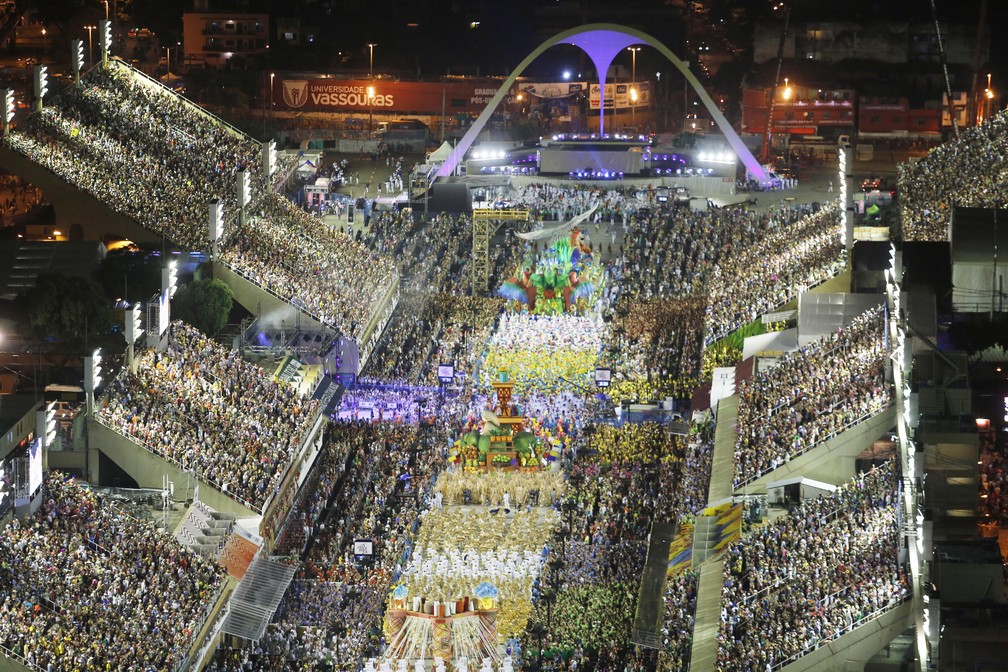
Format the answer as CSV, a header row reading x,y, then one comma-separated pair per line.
x,y
787,260
88,587
810,396
193,405
971,171
814,575
151,156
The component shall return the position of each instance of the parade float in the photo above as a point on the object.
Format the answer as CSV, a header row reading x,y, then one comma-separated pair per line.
x,y
419,628
502,442
561,279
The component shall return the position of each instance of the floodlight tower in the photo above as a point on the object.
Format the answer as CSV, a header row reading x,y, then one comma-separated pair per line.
x,y
105,40
8,96
243,185
76,59
92,376
133,332
41,80
216,226
45,425
269,157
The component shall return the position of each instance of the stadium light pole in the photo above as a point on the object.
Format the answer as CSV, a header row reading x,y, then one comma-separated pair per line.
x,y
633,83
90,31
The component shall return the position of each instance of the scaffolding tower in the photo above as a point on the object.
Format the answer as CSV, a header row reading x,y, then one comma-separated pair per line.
x,y
485,224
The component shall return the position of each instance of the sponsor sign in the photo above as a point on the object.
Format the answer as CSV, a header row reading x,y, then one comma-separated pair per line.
x,y
619,94
362,95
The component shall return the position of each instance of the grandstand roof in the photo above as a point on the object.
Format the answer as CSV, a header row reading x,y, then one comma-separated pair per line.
x,y
977,234
13,408
22,261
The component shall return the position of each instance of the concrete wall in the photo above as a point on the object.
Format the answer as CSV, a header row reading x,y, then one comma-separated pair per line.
x,y
74,206
832,461
258,301
852,651
147,469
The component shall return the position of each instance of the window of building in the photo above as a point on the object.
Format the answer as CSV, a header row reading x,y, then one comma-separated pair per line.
x,y
920,121
873,118
826,114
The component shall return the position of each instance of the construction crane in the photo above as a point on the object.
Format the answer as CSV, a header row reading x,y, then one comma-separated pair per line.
x,y
767,133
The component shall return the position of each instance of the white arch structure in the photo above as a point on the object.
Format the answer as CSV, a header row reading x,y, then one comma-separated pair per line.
x,y
602,41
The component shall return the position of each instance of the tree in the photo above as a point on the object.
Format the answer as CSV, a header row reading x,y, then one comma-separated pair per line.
x,y
205,304
70,309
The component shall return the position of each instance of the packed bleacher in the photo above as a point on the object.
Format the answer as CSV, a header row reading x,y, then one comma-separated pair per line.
x,y
623,480
656,341
970,171
765,274
427,329
811,395
812,576
322,271
149,155
435,256
138,148
88,587
192,406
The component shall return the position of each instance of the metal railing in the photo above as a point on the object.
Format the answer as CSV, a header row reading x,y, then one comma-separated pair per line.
x,y
832,435
878,613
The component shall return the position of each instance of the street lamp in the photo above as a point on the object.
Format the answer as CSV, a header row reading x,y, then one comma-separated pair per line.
x,y
90,30
787,90
633,83
989,94
371,46
45,41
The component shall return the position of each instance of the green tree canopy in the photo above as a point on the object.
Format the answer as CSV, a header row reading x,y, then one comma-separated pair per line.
x,y
66,308
205,304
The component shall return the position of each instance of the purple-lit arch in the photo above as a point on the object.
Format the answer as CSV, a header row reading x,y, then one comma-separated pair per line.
x,y
602,41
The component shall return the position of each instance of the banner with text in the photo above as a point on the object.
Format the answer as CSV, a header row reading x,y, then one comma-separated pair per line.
x,y
350,95
620,94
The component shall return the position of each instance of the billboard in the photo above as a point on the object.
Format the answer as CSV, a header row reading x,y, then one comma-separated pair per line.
x,y
620,95
320,94
552,89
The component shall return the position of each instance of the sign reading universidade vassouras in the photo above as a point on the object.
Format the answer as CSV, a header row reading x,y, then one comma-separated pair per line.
x,y
351,95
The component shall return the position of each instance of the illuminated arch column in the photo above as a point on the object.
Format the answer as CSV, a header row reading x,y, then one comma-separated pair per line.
x,y
602,41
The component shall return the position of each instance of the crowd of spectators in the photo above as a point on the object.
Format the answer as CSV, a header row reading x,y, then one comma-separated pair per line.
x,y
627,479
88,587
655,340
970,171
813,575
429,329
297,257
435,256
190,405
993,477
151,156
811,395
764,275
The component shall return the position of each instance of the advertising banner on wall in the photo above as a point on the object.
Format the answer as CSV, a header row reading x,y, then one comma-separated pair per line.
x,y
316,94
552,89
620,95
